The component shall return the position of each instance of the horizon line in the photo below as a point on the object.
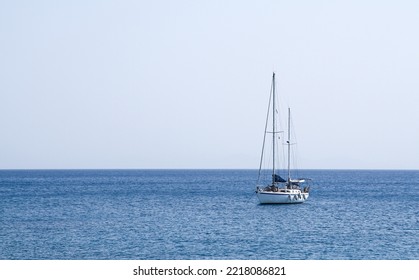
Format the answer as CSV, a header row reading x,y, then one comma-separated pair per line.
x,y
320,169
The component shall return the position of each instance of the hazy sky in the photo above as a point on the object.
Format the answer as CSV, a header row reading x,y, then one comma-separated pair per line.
x,y
185,84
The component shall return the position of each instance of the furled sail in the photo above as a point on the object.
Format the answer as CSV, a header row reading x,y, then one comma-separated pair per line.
x,y
278,179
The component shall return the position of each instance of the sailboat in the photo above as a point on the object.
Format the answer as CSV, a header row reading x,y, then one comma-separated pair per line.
x,y
280,190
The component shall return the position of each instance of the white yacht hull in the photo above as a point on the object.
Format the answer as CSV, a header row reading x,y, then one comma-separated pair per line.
x,y
291,197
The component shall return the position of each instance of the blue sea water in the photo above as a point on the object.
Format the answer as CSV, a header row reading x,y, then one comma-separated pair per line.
x,y
205,214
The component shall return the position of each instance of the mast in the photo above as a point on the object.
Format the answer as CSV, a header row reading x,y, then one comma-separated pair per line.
x,y
289,146
273,128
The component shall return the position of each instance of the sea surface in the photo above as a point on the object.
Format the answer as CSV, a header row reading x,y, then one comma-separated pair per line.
x,y
205,214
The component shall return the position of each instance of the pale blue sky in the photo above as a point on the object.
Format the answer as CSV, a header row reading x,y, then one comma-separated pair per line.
x,y
185,84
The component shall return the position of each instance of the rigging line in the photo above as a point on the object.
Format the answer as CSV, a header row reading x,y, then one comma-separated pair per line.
x,y
264,134
294,151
